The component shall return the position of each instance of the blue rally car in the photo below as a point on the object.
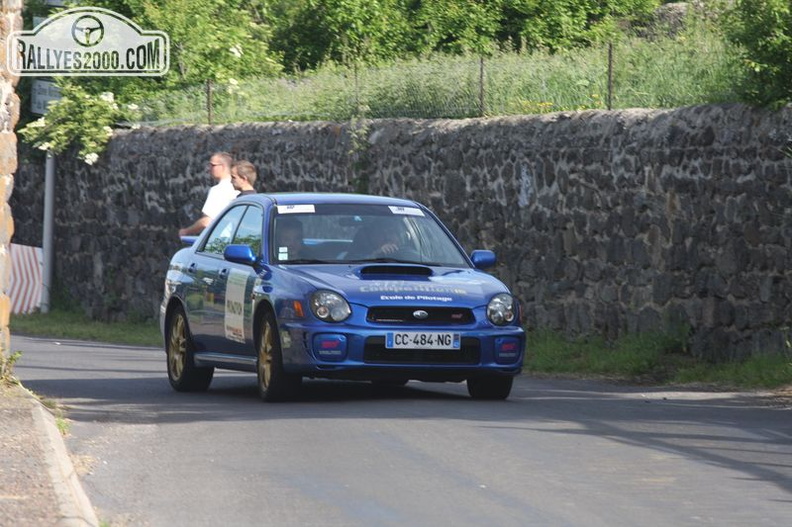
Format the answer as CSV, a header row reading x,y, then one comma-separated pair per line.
x,y
338,286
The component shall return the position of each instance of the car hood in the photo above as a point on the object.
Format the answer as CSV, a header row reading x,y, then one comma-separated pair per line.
x,y
403,284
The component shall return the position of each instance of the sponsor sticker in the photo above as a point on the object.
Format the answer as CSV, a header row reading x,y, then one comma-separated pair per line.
x,y
235,306
418,290
415,298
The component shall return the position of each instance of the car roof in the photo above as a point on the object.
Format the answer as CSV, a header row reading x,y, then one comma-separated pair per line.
x,y
296,198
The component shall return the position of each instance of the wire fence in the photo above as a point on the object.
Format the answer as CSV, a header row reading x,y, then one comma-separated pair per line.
x,y
635,73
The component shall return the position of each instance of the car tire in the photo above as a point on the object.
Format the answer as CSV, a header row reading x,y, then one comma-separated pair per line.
x,y
491,387
183,374
274,383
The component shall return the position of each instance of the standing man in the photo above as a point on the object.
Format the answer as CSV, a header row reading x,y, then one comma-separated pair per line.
x,y
243,177
219,195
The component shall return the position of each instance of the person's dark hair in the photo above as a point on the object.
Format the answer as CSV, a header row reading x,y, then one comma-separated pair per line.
x,y
247,170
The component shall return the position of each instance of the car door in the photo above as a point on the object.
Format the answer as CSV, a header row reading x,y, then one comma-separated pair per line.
x,y
234,303
211,279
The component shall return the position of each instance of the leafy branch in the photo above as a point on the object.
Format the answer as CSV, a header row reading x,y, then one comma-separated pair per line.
x,y
79,118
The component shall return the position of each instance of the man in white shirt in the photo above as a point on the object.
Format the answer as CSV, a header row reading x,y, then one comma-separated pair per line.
x,y
219,195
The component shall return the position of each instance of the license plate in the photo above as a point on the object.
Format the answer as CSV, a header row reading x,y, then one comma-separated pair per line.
x,y
424,340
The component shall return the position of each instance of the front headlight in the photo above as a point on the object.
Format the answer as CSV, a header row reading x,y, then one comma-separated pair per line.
x,y
329,306
502,309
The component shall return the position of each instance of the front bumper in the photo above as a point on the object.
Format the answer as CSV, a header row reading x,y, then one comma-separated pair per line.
x,y
341,352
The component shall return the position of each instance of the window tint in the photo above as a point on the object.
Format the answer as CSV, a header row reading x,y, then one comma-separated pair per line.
x,y
249,231
223,231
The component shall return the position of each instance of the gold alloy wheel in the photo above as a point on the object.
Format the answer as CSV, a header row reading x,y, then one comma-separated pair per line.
x,y
265,355
177,346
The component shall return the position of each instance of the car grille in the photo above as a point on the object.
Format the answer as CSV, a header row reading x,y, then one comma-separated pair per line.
x,y
374,352
405,315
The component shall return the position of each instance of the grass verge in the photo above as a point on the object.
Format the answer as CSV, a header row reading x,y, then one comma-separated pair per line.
x,y
68,324
653,358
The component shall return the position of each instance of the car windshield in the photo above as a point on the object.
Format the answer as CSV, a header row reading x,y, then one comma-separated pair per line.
x,y
356,233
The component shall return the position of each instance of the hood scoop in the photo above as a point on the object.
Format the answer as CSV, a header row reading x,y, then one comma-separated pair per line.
x,y
395,269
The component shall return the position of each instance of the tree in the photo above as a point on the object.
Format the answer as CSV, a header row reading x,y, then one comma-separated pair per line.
x,y
461,26
349,32
562,24
78,118
763,30
210,39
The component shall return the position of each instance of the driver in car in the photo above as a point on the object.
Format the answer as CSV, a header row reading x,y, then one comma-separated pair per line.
x,y
380,240
289,239
388,243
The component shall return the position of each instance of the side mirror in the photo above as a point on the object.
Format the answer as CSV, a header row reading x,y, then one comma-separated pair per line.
x,y
483,259
241,254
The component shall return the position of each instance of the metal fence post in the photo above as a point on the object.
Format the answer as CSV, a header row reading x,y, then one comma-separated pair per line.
x,y
482,108
610,75
209,101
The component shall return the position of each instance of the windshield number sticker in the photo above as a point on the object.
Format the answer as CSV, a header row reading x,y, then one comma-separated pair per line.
x,y
406,211
296,209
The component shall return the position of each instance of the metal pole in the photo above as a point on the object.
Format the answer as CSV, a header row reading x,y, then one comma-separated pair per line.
x,y
482,109
610,75
357,92
47,237
209,101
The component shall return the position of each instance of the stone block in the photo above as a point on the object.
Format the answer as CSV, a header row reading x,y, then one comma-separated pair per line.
x,y
8,153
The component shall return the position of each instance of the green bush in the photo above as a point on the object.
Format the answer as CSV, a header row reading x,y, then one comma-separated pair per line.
x,y
763,31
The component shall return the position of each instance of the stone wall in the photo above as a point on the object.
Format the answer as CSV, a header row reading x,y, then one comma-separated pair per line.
x,y
604,222
10,20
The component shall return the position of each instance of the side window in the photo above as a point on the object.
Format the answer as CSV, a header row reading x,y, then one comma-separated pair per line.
x,y
223,231
249,231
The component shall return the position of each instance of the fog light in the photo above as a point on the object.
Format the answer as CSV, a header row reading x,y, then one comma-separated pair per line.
x,y
507,350
332,347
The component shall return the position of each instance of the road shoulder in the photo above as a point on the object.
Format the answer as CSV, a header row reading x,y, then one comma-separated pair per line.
x,y
38,481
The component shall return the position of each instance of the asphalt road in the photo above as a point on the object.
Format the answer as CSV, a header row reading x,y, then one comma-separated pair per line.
x,y
558,452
